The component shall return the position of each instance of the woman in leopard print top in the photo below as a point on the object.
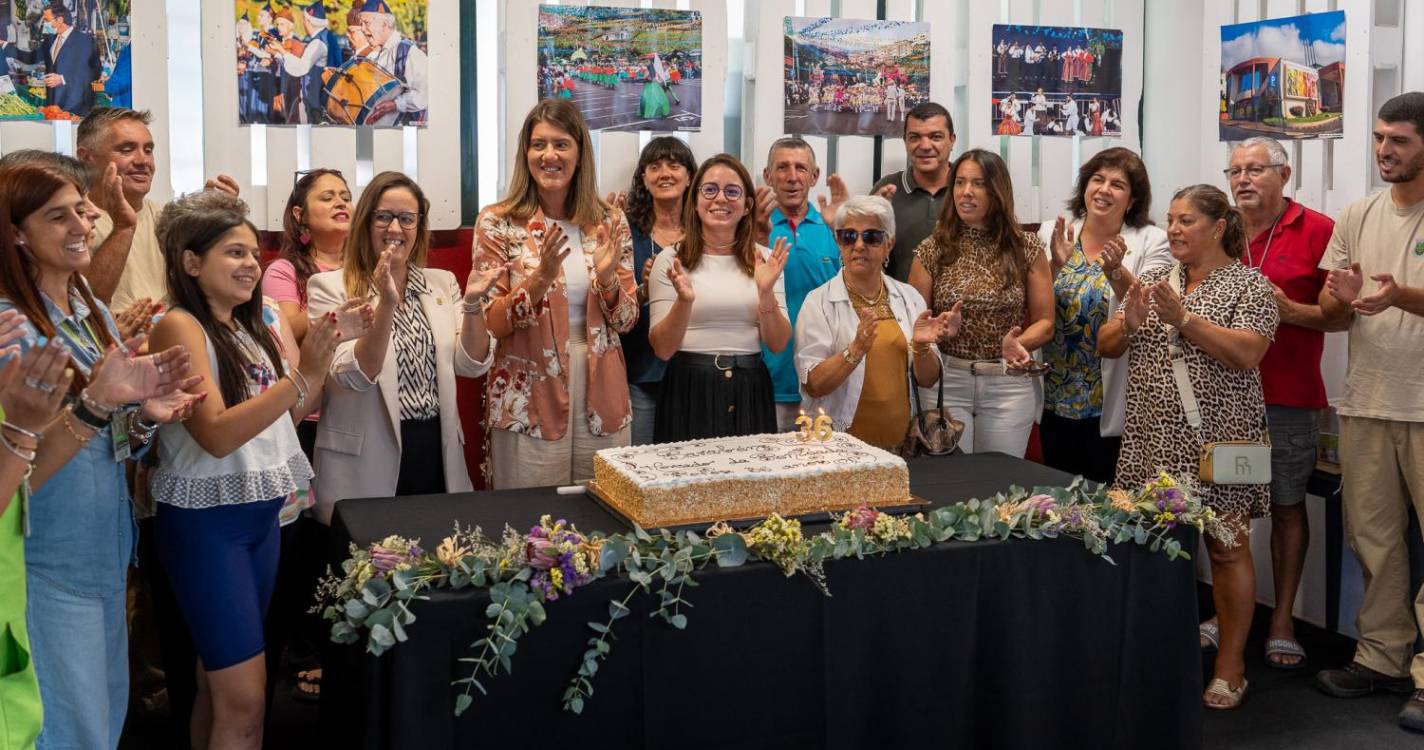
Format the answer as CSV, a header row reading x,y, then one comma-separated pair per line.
x,y
979,262
1225,318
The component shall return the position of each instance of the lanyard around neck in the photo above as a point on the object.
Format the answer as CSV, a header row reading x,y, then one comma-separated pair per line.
x,y
1270,237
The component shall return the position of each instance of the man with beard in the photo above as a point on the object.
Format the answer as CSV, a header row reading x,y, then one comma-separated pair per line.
x,y
917,192
1381,239
128,263
784,210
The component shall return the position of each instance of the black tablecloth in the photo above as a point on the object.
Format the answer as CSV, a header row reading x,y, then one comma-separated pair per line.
x,y
1032,644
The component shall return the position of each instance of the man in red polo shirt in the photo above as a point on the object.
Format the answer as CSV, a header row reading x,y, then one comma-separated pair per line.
x,y
1287,243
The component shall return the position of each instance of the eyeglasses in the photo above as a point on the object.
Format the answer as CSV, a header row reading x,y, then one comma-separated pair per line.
x,y
872,237
1253,171
383,219
709,190
300,173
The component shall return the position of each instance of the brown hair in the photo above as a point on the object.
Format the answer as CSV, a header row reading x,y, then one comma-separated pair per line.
x,y
294,249
1003,225
1214,205
583,206
360,255
24,189
690,250
1130,164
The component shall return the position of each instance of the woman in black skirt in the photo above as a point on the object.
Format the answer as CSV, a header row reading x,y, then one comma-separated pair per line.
x,y
714,299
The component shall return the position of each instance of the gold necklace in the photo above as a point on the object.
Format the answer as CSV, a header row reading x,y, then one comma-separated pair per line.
x,y
879,304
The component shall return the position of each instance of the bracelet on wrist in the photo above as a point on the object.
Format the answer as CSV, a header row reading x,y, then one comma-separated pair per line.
x,y
601,289
95,406
473,307
850,357
292,375
81,411
21,431
24,454
68,418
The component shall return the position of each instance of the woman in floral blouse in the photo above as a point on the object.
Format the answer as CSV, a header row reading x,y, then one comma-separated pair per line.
x,y
979,258
558,391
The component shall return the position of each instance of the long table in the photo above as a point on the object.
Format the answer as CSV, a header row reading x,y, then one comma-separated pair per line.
x,y
1032,644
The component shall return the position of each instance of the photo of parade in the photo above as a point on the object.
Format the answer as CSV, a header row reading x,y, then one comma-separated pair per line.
x,y
1284,77
63,58
332,62
853,77
1057,81
624,68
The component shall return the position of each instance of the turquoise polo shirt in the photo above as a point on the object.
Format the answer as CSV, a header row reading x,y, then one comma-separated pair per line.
x,y
814,260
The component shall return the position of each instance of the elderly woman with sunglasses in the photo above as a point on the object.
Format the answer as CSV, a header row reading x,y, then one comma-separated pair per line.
x,y
862,335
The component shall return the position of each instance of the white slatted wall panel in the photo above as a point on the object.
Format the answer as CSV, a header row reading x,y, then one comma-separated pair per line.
x,y
227,147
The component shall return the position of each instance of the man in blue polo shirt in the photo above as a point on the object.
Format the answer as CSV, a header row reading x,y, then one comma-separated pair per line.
x,y
784,210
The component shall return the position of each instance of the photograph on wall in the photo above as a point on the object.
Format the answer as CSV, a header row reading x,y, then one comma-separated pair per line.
x,y
625,69
852,77
1057,81
332,62
63,58
1283,77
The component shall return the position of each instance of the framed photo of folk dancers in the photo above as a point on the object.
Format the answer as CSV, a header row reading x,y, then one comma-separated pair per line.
x,y
854,77
626,69
1056,81
62,58
332,62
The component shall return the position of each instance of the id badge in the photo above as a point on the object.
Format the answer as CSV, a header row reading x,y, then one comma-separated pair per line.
x,y
118,431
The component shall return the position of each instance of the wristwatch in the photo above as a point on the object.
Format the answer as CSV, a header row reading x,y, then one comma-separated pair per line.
x,y
1186,318
849,357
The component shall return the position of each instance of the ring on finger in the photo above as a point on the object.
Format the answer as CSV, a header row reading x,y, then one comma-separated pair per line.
x,y
46,387
33,382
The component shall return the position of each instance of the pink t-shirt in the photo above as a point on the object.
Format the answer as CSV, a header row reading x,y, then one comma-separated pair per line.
x,y
279,284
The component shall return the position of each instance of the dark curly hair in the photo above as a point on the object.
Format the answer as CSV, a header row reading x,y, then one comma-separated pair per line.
x,y
640,201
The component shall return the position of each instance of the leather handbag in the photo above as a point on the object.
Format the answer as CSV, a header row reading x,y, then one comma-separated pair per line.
x,y
932,432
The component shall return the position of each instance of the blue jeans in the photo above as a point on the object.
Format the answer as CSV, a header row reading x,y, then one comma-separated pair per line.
x,y
645,407
80,646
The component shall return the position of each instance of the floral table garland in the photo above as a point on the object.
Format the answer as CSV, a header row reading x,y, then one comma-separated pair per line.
x,y
371,599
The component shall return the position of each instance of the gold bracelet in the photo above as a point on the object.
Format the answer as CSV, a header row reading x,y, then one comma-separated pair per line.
x,y
920,349
66,417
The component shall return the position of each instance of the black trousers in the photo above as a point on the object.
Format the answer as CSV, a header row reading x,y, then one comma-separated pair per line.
x,y
422,461
1075,446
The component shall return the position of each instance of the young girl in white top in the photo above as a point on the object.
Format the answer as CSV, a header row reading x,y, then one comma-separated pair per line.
x,y
224,473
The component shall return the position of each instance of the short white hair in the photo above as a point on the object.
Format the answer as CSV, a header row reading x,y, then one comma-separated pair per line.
x,y
1274,150
866,207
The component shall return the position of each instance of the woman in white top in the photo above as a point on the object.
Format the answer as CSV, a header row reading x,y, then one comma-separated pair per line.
x,y
861,335
1098,251
224,474
714,299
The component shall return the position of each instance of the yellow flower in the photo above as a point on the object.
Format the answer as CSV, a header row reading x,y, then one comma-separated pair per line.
x,y
449,553
556,577
1006,512
1120,500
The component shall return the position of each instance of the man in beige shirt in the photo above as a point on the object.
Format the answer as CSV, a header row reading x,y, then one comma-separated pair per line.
x,y
1375,290
127,264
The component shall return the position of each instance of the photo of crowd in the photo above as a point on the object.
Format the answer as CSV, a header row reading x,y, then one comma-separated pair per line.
x,y
625,69
1057,80
63,57
332,62
1284,77
853,77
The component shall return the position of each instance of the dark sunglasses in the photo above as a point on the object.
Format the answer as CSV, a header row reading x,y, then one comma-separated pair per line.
x,y
872,237
300,173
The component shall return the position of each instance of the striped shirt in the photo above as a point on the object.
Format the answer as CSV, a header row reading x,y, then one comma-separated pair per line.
x,y
415,353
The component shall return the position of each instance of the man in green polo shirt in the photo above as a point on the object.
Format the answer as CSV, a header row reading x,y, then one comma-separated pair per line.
x,y
785,211
917,193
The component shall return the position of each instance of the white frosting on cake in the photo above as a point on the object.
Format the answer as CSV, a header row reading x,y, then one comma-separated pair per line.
x,y
762,457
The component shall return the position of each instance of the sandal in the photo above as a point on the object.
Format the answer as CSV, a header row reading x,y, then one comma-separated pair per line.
x,y
1284,647
308,686
1221,688
1210,632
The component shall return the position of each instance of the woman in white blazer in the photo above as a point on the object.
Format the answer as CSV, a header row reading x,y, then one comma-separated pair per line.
x,y
390,424
862,335
1098,250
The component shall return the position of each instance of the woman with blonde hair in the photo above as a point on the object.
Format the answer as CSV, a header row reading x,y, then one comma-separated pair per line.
x,y
390,424
563,291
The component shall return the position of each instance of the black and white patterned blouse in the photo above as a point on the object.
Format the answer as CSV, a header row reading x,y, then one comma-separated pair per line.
x,y
415,353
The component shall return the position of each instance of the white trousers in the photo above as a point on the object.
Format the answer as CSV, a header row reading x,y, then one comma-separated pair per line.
x,y
997,410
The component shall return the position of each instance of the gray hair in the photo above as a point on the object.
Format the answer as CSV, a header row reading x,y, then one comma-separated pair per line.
x,y
1274,149
791,141
867,207
95,125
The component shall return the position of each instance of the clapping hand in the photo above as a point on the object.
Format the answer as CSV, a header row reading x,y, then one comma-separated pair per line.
x,y
1345,283
552,250
681,283
223,184
1134,307
1061,243
33,386
109,197
886,191
1015,355
385,280
866,332
954,320
929,330
120,378
171,408
1381,300
12,329
1114,251
354,319
768,270
618,200
607,253
765,204
319,347
137,318
1165,301
839,195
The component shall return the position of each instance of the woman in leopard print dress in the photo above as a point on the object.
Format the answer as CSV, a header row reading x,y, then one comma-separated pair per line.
x,y
1224,316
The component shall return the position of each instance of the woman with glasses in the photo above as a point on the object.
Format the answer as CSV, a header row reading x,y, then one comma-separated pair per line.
x,y
714,300
562,260
1099,249
861,335
390,423
979,257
